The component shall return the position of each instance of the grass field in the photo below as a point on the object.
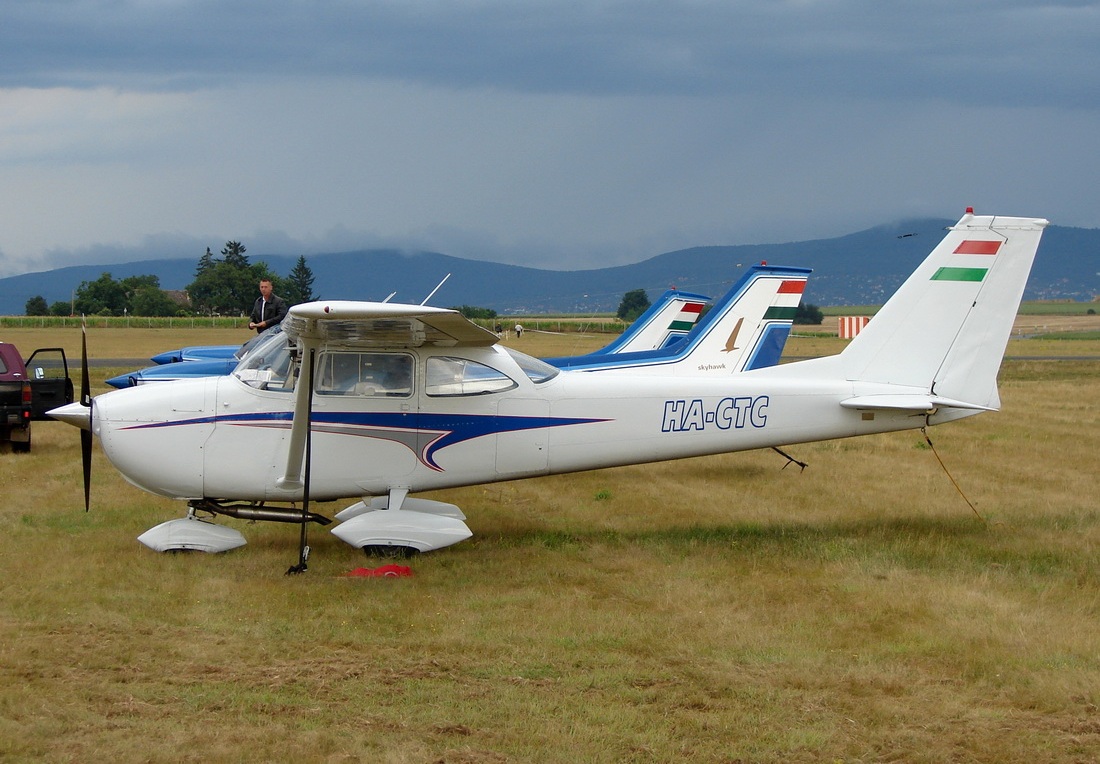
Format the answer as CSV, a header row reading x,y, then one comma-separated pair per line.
x,y
719,609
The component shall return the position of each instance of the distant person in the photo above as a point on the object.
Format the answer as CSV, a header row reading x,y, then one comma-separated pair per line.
x,y
519,331
269,310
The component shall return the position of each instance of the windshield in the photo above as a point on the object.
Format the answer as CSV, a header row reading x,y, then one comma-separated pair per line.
x,y
259,339
267,364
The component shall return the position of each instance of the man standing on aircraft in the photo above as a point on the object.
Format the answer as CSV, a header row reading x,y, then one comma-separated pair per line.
x,y
269,310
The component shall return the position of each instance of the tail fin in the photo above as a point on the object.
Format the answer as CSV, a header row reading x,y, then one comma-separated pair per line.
x,y
746,329
946,328
666,321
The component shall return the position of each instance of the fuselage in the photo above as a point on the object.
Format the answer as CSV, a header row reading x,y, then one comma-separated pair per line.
x,y
227,438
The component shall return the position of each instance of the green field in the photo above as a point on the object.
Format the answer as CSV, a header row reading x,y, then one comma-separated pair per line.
x,y
719,609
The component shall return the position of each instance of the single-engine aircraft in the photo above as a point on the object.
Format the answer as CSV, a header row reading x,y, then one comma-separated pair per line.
x,y
377,401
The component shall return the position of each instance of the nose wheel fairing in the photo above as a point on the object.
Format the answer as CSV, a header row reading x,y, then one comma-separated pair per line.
x,y
190,534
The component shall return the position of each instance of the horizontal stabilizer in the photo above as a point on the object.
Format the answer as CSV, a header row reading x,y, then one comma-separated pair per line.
x,y
915,403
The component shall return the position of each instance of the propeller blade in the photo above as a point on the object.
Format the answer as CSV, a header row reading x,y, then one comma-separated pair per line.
x,y
85,385
303,547
86,462
85,400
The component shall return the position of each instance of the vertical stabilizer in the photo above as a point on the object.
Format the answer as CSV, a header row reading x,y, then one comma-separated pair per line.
x,y
745,329
946,328
669,319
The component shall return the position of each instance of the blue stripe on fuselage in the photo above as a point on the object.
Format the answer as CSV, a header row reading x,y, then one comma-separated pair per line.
x,y
453,428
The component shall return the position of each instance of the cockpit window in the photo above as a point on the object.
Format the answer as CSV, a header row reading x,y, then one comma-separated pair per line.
x,y
537,371
365,374
461,376
267,365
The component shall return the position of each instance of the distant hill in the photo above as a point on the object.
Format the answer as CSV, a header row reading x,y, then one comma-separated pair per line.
x,y
858,269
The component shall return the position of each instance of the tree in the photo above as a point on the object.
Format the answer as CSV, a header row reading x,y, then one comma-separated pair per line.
x,y
635,303
104,296
61,308
206,263
233,254
808,313
131,285
36,306
298,287
226,286
471,311
152,301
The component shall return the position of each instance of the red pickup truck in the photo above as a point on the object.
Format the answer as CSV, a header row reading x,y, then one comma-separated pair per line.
x,y
29,389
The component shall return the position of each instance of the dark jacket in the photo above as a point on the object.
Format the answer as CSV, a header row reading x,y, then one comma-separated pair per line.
x,y
273,311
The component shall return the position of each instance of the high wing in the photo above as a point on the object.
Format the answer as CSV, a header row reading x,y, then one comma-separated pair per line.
x,y
195,353
383,325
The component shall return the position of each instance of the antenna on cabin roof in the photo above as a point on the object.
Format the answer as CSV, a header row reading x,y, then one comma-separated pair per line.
x,y
425,300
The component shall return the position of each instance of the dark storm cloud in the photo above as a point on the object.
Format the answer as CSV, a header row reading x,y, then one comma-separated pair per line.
x,y
1023,53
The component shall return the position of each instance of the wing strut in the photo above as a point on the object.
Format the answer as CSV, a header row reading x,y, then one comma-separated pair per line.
x,y
303,547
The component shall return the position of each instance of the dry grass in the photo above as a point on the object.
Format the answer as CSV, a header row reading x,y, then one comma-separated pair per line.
x,y
714,609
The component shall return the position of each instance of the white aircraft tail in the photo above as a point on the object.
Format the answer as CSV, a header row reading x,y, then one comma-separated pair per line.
x,y
745,329
668,320
946,328
748,328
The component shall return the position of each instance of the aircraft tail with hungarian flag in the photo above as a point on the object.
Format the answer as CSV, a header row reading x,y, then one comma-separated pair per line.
x,y
665,322
745,329
938,343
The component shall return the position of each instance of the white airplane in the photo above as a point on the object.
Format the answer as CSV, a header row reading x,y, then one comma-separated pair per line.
x,y
744,330
377,401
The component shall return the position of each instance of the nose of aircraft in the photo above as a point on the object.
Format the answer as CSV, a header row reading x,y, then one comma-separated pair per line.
x,y
75,414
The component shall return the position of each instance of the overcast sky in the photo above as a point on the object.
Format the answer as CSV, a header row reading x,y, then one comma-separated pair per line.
x,y
556,134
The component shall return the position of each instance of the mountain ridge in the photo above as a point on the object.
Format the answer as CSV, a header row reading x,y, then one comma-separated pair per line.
x,y
860,268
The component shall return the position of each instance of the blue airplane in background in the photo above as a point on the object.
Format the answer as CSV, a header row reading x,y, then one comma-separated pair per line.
x,y
671,328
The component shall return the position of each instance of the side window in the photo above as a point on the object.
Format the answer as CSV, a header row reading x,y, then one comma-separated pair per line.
x,y
459,376
387,375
